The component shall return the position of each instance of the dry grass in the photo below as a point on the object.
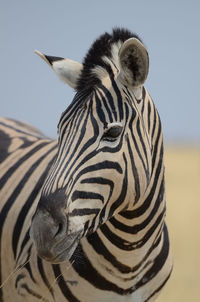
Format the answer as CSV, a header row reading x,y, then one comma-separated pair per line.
x,y
183,217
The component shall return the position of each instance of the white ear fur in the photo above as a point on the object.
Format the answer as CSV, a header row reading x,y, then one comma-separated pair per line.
x,y
66,69
134,63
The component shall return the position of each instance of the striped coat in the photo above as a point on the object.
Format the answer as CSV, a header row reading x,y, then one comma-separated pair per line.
x,y
98,194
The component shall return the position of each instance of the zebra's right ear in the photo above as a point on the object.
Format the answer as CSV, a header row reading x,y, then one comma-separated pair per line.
x,y
66,69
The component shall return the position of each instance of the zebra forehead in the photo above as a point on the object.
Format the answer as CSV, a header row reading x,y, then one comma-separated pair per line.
x,y
101,56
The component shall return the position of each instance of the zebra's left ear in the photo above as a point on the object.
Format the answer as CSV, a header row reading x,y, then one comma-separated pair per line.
x,y
67,70
134,63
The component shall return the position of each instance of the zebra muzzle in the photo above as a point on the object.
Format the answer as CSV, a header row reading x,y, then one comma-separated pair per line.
x,y
52,240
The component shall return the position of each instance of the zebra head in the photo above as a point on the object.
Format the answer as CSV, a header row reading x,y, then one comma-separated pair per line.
x,y
103,163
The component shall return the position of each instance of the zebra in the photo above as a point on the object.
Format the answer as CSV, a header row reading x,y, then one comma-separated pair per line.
x,y
83,218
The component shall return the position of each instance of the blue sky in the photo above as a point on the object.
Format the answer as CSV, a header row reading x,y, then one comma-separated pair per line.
x,y
30,91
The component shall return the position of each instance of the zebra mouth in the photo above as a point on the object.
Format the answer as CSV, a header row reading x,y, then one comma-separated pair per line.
x,y
68,251
60,251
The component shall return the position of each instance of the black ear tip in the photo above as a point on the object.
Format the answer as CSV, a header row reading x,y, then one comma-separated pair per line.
x,y
51,59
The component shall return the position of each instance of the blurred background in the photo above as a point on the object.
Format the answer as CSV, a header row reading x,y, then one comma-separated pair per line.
x,y
30,91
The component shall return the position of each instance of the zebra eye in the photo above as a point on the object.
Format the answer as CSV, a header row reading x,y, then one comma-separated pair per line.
x,y
112,133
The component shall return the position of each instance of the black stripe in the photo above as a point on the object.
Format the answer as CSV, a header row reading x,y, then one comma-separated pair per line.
x,y
77,103
142,143
135,142
83,212
8,204
43,276
60,166
122,195
149,116
139,227
106,106
101,181
71,130
12,169
158,262
155,147
27,266
66,120
92,168
135,173
95,241
86,195
143,208
100,166
89,273
154,122
159,288
33,293
98,180
127,245
143,98
110,100
129,97
62,284
69,135
31,199
24,242
119,99
5,143
66,169
99,110
39,135
76,120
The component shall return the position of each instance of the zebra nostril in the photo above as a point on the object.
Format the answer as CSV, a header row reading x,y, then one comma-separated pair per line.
x,y
48,226
53,223
60,229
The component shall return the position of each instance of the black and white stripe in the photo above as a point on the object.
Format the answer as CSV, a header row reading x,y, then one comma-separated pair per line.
x,y
98,195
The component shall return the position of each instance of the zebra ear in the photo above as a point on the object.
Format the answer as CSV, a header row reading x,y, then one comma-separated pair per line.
x,y
134,63
66,69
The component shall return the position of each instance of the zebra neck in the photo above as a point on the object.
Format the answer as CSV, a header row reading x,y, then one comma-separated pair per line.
x,y
125,246
108,252
132,235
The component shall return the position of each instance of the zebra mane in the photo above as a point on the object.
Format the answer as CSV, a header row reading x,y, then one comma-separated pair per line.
x,y
102,54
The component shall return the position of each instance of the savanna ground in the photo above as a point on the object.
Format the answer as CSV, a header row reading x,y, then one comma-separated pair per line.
x,y
183,218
